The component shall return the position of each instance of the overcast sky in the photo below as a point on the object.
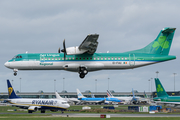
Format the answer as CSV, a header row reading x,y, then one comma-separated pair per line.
x,y
40,26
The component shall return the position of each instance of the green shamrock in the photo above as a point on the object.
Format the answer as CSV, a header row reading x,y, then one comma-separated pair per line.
x,y
161,42
159,88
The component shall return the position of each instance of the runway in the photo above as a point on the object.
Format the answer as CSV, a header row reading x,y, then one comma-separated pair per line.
x,y
98,115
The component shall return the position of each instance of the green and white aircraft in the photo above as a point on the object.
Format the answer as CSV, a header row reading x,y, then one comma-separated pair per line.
x,y
164,98
83,59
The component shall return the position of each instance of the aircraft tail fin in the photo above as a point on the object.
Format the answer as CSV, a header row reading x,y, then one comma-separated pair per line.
x,y
161,45
11,93
58,96
133,93
109,94
79,94
160,89
145,96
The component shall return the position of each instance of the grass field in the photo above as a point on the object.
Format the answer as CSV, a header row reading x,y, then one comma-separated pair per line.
x,y
7,114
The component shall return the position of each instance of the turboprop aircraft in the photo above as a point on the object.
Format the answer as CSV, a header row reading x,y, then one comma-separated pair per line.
x,y
164,98
83,59
35,104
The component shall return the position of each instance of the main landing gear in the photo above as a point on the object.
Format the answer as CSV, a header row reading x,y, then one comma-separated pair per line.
x,y
15,72
82,72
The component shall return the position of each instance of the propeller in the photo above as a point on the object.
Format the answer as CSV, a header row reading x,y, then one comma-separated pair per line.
x,y
64,49
59,51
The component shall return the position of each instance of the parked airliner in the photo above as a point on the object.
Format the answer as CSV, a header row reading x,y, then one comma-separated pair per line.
x,y
35,104
83,59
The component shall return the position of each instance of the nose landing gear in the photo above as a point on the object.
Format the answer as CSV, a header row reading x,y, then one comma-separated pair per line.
x,y
82,72
15,72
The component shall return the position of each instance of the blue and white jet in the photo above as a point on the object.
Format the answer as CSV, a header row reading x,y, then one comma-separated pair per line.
x,y
84,99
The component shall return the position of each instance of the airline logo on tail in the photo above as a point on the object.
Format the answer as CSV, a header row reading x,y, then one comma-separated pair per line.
x,y
159,89
109,94
80,94
10,89
161,43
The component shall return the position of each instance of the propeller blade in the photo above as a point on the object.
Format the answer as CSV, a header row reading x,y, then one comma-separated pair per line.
x,y
59,51
64,50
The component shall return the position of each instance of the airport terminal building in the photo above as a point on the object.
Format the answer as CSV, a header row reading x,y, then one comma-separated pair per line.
x,y
87,93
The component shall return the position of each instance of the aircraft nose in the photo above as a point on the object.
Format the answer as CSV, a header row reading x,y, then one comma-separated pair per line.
x,y
67,106
6,64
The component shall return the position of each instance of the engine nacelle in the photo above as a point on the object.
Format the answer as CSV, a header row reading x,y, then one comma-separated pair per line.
x,y
32,108
75,50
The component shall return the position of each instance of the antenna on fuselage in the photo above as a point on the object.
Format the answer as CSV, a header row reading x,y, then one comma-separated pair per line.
x,y
26,52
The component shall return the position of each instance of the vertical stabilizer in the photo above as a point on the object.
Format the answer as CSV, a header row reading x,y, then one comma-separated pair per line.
x,y
161,45
11,93
58,96
109,94
160,89
79,94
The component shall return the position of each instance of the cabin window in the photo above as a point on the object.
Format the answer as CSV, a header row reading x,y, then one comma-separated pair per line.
x,y
41,58
52,58
45,58
98,58
115,58
84,58
118,58
59,58
102,58
80,58
112,58
62,58
122,58
91,58
55,58
66,58
69,58
48,58
125,58
73,58
76,58
105,58
94,58
87,58
108,58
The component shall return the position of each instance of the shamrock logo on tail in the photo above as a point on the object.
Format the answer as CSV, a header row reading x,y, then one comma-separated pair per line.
x,y
161,42
159,89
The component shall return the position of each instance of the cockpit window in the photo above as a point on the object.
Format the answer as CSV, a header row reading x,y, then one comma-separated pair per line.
x,y
64,102
20,56
17,56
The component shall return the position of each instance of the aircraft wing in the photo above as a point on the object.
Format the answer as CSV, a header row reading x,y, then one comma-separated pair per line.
x,y
90,43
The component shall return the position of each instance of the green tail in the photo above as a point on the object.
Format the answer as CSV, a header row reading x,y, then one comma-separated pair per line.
x,y
161,45
160,89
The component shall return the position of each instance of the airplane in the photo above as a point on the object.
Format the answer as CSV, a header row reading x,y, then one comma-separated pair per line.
x,y
83,59
84,99
124,100
164,98
69,100
35,104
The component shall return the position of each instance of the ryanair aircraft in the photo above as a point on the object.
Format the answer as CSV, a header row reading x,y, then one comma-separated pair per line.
x,y
35,104
83,59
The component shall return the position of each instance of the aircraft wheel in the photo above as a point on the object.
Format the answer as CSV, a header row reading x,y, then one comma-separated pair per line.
x,y
85,71
15,74
81,75
42,111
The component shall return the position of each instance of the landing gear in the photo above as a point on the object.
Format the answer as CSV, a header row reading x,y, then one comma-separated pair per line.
x,y
82,72
42,111
15,72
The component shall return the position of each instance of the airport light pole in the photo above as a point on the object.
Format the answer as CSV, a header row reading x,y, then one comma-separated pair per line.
x,y
12,82
63,84
54,85
20,84
157,74
174,80
96,85
108,83
149,84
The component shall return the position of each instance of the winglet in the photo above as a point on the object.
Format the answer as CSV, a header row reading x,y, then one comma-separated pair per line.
x,y
11,93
